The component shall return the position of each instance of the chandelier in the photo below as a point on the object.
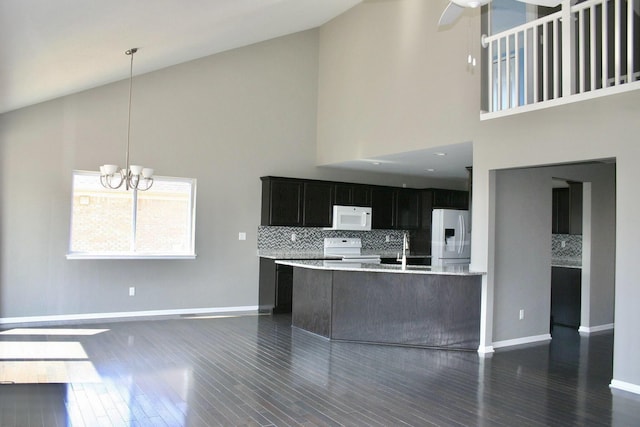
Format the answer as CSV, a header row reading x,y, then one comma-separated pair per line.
x,y
132,176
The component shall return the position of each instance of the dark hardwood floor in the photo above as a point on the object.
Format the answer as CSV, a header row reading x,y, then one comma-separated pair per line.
x,y
258,371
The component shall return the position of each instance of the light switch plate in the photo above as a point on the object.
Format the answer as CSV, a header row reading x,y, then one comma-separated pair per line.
x,y
242,236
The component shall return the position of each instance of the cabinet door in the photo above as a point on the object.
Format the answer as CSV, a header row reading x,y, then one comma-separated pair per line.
x,y
575,208
361,195
284,289
352,195
282,202
408,209
318,204
566,292
344,194
450,199
459,199
561,211
383,207
441,198
267,285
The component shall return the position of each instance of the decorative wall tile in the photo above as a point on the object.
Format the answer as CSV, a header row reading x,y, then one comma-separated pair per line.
x,y
572,249
311,239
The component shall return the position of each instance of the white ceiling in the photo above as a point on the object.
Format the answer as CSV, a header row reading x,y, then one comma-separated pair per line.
x,y
52,48
448,162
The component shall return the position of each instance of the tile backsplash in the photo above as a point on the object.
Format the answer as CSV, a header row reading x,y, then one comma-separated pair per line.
x,y
311,239
572,248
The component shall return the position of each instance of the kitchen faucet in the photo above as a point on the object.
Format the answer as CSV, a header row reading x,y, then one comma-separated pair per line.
x,y
405,248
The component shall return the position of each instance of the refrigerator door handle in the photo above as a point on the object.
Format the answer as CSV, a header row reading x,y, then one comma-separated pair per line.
x,y
462,232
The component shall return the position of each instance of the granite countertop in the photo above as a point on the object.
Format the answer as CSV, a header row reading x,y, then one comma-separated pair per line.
x,y
453,270
567,262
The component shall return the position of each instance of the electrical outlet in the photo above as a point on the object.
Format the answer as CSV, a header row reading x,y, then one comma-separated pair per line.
x,y
563,244
293,237
132,291
387,238
521,315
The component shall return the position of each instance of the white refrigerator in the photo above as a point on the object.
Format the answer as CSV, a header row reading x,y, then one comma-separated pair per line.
x,y
450,237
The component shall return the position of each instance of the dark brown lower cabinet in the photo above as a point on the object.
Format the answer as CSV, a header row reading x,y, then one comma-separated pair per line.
x,y
275,287
566,292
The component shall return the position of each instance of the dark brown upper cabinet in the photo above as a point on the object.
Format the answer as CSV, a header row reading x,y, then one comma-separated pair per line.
x,y
352,194
407,209
567,209
383,206
282,201
318,204
309,203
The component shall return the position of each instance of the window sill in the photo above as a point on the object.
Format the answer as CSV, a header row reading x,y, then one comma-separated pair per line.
x,y
126,256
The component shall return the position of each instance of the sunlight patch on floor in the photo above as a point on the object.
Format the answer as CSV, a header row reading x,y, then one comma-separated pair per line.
x,y
40,372
41,350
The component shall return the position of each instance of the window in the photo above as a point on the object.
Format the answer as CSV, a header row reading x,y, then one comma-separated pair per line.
x,y
157,223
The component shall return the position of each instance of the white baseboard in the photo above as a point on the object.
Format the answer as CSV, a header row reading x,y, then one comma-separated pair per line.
x,y
625,386
122,314
586,330
486,349
521,341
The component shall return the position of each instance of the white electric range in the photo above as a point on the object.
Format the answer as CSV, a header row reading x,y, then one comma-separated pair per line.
x,y
347,250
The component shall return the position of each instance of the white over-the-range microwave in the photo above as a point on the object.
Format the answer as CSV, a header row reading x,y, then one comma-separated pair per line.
x,y
355,218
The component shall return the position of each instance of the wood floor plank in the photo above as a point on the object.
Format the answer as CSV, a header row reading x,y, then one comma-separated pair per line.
x,y
258,371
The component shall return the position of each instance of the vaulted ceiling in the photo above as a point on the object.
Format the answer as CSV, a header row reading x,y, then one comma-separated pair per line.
x,y
52,48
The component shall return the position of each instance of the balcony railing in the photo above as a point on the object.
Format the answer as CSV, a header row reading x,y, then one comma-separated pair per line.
x,y
545,62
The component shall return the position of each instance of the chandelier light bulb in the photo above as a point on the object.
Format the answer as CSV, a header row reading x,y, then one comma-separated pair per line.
x,y
110,169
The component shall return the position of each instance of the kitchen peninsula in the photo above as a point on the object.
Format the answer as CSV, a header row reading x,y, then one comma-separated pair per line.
x,y
377,303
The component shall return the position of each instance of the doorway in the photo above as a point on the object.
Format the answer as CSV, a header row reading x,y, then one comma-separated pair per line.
x,y
522,250
566,253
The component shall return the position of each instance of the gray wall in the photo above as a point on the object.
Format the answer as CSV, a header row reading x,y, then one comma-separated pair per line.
x,y
390,82
590,130
226,120
523,248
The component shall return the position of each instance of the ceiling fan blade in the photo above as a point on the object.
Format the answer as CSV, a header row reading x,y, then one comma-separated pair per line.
x,y
547,3
451,13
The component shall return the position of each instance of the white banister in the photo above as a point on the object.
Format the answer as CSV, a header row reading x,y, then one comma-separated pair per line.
x,y
581,53
507,54
490,75
499,74
525,74
536,37
545,62
568,53
564,54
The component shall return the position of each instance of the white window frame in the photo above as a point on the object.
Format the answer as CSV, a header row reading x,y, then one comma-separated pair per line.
x,y
190,254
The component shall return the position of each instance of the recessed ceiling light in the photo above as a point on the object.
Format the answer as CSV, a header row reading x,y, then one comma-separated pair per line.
x,y
376,163
439,153
431,170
